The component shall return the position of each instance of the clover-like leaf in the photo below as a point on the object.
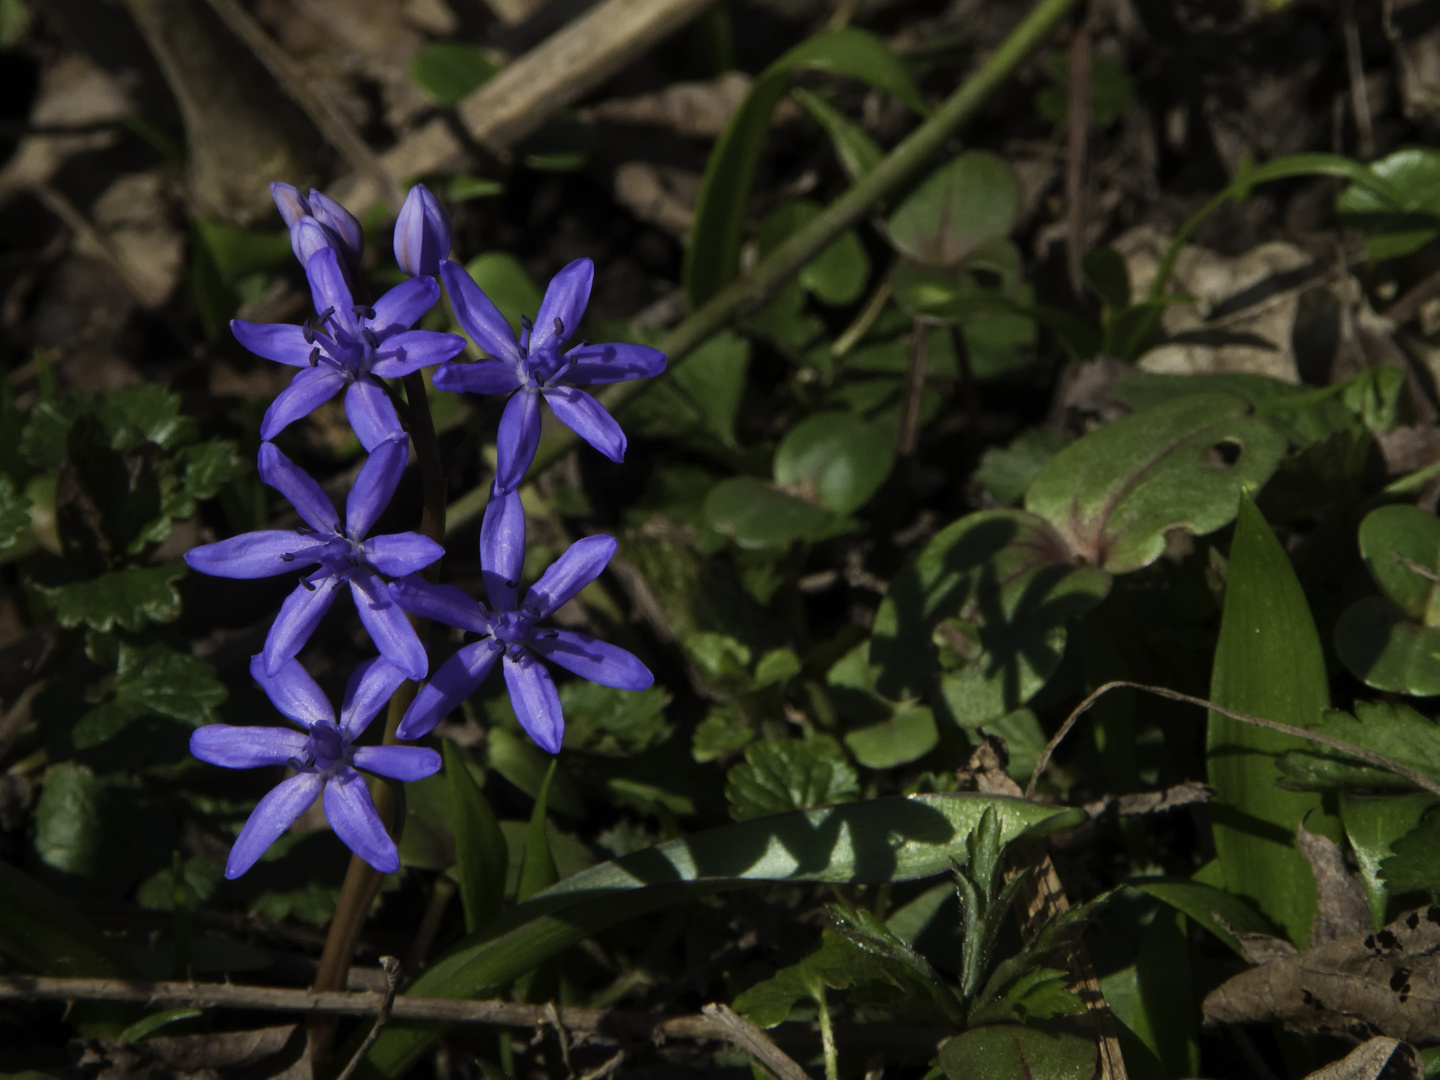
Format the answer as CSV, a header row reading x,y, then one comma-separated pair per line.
x,y
1401,549
1375,640
838,274
906,736
778,775
1182,464
840,457
954,210
754,514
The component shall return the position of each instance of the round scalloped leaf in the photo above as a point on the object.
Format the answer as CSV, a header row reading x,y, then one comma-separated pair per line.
x,y
1182,464
1400,546
754,514
1388,651
955,209
1015,1052
837,455
905,737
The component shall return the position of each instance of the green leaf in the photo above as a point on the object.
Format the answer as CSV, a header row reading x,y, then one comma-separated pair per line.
x,y
857,151
1269,663
1401,549
603,720
128,598
447,71
14,515
754,514
1007,472
512,290
153,680
1373,824
1397,732
712,260
481,856
713,379
723,731
237,253
1416,863
463,186
906,736
1034,993
957,208
143,1029
1413,178
526,766
837,457
986,604
69,819
887,839
1111,91
538,870
210,465
1011,1052
1114,494
838,274
1107,277
776,668
1388,651
779,775
1223,914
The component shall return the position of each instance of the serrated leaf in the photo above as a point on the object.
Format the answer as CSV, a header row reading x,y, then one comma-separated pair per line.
x,y
723,731
960,206
1036,993
755,514
447,71
1114,494
895,959
1373,824
128,598
209,465
780,775
1397,732
712,259
146,412
14,515
602,720
776,668
1012,1052
1416,862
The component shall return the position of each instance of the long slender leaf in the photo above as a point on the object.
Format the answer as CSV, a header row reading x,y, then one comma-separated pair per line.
x,y
481,857
538,870
895,839
1268,663
712,260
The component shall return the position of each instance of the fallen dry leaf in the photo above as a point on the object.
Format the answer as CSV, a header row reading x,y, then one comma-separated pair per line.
x,y
1378,1059
700,109
1343,910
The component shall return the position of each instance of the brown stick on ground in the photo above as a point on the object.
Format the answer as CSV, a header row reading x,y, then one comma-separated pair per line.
x,y
1043,897
533,88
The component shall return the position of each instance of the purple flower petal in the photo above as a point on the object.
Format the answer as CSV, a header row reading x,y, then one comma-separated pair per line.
x,y
368,690
292,691
308,236
444,604
411,350
282,342
535,700
310,502
299,615
399,308
585,416
480,318
387,625
398,762
351,813
565,299
422,233
577,567
481,377
516,439
246,747
616,362
398,554
308,390
374,487
502,547
330,290
457,679
598,661
273,814
372,414
256,554
289,201
339,221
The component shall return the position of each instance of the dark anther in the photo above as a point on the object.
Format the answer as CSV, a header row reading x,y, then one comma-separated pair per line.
x,y
324,316
524,352
551,634
315,356
287,557
559,329
582,343
526,323
309,585
308,331
302,766
364,310
370,338
512,584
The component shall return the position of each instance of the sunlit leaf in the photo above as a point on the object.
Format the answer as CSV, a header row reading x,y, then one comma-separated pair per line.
x,y
779,775
128,598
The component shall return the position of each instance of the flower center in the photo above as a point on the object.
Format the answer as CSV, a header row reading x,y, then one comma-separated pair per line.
x,y
328,747
512,628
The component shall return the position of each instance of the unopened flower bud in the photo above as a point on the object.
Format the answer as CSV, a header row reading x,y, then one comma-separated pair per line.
x,y
422,234
289,202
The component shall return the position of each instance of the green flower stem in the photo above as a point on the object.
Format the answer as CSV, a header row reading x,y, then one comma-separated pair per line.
x,y
362,881
750,291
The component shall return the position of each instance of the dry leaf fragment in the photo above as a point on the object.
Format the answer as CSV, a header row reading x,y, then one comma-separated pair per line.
x,y
1379,1059
701,109
1358,987
1343,910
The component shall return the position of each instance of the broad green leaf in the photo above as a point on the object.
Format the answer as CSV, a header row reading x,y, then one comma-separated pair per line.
x,y
1268,663
562,144
1373,824
776,668
838,274
143,1029
1114,494
887,839
999,345
712,260
602,720
152,680
128,598
986,605
512,290
481,857
906,736
69,819
857,151
1222,913
723,731
1397,732
754,514
1401,549
1107,277
538,871
713,379
1155,998
1012,1052
447,71
14,515
428,839
1388,651
779,775
837,457
1007,472
1413,178
1415,866
956,209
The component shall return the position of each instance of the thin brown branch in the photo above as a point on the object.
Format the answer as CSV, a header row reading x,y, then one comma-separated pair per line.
x,y
392,984
739,1031
1420,780
80,225
915,371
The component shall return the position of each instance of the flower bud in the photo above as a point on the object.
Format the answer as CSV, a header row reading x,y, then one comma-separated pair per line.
x,y
307,236
422,234
289,202
349,237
